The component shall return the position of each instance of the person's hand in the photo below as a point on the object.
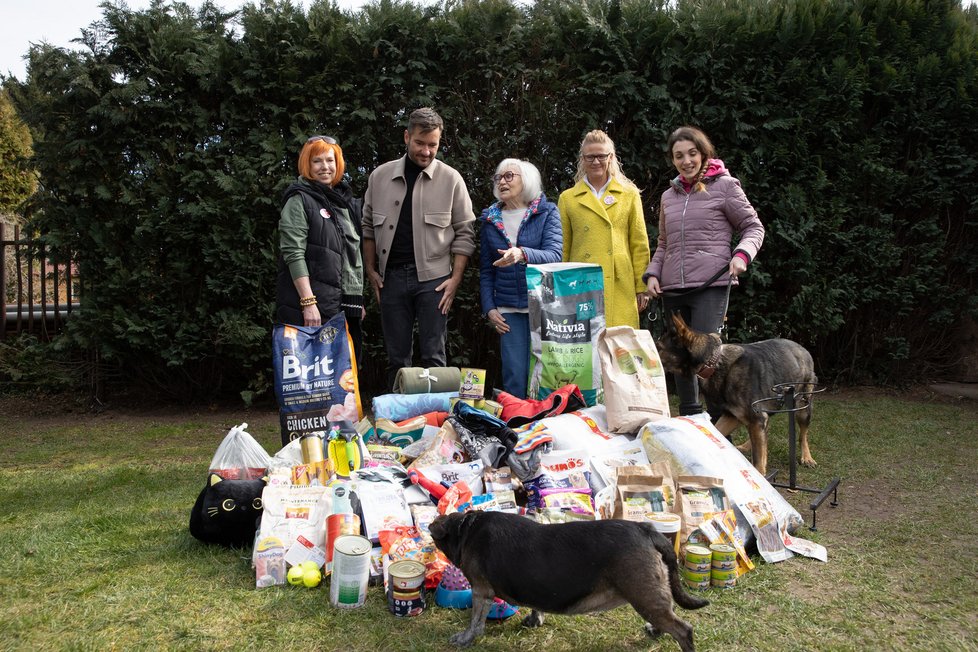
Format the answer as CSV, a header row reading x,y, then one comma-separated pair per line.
x,y
363,313
509,257
643,301
311,316
376,281
449,285
653,285
737,266
497,321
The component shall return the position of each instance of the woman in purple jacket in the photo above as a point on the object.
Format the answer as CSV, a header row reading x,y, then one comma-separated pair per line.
x,y
521,228
698,215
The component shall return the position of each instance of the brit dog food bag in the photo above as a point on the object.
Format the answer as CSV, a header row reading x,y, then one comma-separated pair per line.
x,y
315,377
566,316
634,381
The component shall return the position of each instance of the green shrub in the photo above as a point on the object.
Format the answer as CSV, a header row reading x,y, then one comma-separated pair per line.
x,y
853,126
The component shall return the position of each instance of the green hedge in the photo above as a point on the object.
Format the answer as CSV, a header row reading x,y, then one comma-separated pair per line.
x,y
853,126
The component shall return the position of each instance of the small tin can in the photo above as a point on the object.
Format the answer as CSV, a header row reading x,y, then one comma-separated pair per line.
x,y
312,448
404,604
351,571
698,555
698,567
696,579
723,579
723,552
406,575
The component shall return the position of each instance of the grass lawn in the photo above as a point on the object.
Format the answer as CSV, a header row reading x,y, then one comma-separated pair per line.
x,y
96,552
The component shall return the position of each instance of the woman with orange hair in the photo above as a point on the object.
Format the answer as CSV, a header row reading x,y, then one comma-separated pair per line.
x,y
320,269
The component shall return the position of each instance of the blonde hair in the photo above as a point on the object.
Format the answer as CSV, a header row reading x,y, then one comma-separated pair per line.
x,y
314,147
598,136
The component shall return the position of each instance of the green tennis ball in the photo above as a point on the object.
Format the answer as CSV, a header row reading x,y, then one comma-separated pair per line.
x,y
295,575
309,565
311,578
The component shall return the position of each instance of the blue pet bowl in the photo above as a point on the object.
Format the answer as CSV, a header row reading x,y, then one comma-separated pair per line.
x,y
457,599
501,610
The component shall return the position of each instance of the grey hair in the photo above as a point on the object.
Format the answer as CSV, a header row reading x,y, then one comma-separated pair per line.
x,y
532,183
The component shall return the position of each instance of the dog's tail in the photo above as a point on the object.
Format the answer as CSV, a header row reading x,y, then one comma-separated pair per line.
x,y
679,594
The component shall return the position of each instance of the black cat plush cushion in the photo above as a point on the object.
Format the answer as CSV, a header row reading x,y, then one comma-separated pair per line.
x,y
227,511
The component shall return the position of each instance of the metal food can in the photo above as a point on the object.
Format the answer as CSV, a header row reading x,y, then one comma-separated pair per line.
x,y
696,579
723,552
404,604
312,448
406,575
351,571
698,567
723,579
698,555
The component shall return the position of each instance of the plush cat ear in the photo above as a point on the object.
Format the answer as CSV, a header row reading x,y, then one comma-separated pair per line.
x,y
214,479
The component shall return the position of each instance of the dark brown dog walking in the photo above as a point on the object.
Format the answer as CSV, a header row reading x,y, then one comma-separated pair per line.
x,y
733,376
565,568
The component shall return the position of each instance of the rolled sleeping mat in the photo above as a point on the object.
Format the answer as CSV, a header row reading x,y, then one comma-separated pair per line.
x,y
398,407
418,380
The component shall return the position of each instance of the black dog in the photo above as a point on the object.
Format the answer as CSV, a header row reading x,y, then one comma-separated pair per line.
x,y
565,568
734,376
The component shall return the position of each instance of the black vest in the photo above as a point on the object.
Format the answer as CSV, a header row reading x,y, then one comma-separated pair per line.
x,y
324,255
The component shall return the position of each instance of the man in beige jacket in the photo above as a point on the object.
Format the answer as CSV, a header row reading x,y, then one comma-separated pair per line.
x,y
418,235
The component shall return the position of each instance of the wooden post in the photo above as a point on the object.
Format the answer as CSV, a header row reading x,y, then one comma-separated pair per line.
x,y
20,279
3,283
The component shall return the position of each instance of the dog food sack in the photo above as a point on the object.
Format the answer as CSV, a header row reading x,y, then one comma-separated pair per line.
x,y
566,316
315,377
692,446
634,381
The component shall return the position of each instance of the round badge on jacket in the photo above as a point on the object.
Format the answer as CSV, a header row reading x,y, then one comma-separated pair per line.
x,y
609,200
325,213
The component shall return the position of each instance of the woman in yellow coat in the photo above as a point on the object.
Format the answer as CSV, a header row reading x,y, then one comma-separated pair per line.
x,y
604,224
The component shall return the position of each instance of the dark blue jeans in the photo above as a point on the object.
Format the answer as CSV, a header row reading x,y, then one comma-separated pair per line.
x,y
405,300
514,349
703,312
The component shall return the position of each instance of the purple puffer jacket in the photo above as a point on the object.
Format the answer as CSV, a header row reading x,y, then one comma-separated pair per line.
x,y
695,231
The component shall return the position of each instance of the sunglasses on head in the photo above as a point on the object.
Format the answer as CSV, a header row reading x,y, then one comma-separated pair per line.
x,y
329,140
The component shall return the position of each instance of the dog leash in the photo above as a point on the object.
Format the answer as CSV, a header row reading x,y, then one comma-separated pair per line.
x,y
653,314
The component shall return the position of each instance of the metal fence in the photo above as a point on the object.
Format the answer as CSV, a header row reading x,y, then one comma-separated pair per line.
x,y
38,291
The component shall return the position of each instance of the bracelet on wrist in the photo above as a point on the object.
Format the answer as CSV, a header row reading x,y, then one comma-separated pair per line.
x,y
307,301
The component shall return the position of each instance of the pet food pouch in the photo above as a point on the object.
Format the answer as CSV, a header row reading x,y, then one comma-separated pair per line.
x,y
643,489
315,377
634,381
566,303
699,497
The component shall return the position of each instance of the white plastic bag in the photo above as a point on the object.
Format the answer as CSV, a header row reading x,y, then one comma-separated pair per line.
x,y
240,456
692,446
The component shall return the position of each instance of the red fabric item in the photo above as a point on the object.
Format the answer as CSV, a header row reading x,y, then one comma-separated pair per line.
x,y
432,418
518,411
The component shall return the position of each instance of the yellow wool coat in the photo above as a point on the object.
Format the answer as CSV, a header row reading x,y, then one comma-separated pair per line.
x,y
609,232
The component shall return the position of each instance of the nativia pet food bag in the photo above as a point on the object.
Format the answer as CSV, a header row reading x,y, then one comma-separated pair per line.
x,y
315,377
566,316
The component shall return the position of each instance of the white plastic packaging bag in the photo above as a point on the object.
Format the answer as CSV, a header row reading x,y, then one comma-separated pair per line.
x,y
692,446
239,456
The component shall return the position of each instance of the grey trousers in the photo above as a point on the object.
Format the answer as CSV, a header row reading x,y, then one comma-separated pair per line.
x,y
703,312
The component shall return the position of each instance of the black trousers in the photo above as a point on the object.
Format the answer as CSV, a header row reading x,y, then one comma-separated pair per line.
x,y
702,311
404,301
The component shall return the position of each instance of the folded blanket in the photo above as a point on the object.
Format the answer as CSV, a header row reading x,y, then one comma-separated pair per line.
x,y
418,380
398,407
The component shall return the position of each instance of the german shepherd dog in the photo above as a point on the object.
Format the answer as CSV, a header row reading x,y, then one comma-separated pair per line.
x,y
733,376
565,568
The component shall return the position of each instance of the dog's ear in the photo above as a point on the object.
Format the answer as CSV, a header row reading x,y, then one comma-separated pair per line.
x,y
683,332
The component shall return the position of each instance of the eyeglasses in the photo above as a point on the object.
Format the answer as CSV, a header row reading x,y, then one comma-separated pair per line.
x,y
505,176
329,140
600,158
